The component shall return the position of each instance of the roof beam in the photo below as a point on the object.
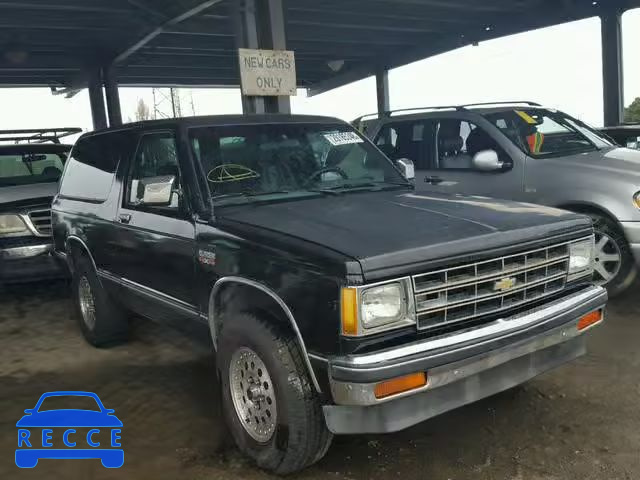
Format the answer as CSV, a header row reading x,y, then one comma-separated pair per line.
x,y
200,7
505,25
61,8
497,6
146,8
417,20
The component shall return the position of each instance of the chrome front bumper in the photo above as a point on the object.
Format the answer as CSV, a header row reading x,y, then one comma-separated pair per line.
x,y
25,263
461,367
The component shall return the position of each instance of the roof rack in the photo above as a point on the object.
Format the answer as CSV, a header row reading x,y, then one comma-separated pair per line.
x,y
38,135
389,113
484,104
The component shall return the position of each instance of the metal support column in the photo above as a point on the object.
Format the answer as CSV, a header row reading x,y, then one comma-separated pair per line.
x,y
113,97
612,67
260,24
382,90
96,100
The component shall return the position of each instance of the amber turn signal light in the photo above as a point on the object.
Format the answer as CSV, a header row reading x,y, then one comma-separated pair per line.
x,y
400,384
349,306
589,319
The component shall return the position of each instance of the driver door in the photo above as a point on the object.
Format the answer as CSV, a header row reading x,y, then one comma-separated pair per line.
x,y
156,244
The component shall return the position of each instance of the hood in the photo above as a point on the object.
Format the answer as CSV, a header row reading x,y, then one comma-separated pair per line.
x,y
391,233
25,195
622,161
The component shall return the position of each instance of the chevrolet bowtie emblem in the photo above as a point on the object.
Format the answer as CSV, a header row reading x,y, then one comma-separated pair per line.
x,y
504,284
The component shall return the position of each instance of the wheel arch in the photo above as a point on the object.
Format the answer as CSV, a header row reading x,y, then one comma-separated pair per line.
x,y
274,307
587,208
76,246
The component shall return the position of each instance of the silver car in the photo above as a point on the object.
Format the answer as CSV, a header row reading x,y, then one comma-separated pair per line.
x,y
523,151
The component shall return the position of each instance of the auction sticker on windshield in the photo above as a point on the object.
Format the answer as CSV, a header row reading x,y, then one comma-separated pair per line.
x,y
342,138
69,425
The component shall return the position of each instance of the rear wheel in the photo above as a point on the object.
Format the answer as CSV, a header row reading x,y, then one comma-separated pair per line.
x,y
269,403
614,266
103,323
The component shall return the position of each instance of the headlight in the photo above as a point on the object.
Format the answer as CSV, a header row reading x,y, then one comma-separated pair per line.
x,y
382,305
581,255
11,225
367,310
636,199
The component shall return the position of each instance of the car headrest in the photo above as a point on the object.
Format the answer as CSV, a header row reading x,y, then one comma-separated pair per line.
x,y
451,144
51,172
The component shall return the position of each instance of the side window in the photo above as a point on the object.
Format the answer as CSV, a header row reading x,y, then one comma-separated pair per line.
x,y
155,162
459,141
92,165
412,140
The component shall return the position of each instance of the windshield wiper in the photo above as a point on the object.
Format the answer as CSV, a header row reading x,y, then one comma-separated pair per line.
x,y
225,196
363,186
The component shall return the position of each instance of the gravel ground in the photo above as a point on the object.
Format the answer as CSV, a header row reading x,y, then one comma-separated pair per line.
x,y
581,421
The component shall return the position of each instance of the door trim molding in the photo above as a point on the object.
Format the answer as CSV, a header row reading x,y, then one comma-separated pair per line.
x,y
171,302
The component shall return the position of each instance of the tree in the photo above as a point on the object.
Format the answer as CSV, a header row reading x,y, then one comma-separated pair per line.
x,y
632,112
142,111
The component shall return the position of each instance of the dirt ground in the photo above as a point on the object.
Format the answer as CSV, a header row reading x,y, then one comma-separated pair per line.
x,y
581,421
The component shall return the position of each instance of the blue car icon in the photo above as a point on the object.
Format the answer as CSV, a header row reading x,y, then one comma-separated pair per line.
x,y
34,444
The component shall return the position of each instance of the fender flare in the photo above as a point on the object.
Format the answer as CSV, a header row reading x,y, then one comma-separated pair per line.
x,y
84,246
243,281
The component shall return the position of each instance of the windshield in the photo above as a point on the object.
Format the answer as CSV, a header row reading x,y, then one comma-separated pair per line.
x,y
69,402
28,168
281,160
545,133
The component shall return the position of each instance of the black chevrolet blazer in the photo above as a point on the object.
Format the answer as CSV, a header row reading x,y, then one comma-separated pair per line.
x,y
336,298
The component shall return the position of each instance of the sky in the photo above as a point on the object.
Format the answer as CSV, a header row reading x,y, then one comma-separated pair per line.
x,y
559,67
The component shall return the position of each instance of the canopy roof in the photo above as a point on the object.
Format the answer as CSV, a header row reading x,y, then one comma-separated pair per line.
x,y
192,42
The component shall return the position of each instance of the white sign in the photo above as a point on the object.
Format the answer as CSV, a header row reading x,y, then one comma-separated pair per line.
x,y
267,72
342,138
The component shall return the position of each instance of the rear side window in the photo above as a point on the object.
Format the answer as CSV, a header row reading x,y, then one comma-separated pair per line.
x,y
92,165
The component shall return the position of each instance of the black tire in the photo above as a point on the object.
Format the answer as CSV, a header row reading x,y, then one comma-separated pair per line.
x,y
111,325
627,272
301,436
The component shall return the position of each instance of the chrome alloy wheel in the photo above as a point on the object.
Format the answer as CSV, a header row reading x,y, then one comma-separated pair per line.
x,y
252,393
87,303
607,260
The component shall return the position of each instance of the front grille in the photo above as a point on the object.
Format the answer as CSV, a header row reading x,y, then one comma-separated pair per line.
x,y
474,290
41,220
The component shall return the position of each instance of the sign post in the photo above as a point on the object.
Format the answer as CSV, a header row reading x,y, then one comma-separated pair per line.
x,y
267,72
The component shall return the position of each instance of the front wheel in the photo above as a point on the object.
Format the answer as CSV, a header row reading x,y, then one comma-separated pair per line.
x,y
269,403
103,322
614,265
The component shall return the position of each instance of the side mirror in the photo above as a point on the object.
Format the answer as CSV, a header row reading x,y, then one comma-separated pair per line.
x,y
156,191
29,411
487,161
406,167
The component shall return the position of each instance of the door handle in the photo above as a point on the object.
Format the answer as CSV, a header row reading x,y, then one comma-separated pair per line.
x,y
433,180
124,218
